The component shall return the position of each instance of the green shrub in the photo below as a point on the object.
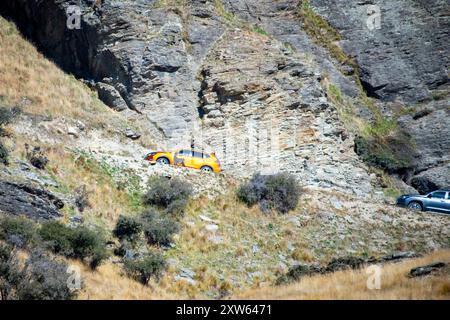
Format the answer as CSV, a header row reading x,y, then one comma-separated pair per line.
x,y
88,244
278,192
127,228
6,116
41,277
81,242
3,154
57,237
10,273
394,155
44,279
171,195
158,228
18,231
152,264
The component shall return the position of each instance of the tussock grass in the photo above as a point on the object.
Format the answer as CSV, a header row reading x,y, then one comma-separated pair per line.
x,y
353,284
71,170
322,33
39,86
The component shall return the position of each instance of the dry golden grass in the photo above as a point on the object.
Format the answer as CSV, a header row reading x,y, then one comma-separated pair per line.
x,y
106,201
29,80
109,283
352,284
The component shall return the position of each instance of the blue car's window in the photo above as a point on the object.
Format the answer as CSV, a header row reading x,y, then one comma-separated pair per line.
x,y
438,195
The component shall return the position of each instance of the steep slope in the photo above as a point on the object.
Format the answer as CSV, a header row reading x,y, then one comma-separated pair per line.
x,y
402,63
352,285
405,60
159,69
195,69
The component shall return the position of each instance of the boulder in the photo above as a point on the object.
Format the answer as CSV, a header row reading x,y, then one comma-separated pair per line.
x,y
111,97
425,270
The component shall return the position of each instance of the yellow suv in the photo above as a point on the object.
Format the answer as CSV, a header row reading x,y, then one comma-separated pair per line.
x,y
186,158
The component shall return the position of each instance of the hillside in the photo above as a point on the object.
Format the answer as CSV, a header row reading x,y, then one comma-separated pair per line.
x,y
395,284
142,76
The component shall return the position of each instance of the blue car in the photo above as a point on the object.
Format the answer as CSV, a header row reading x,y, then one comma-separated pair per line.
x,y
434,201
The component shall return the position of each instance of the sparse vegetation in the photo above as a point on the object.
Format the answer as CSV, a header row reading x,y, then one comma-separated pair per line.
x,y
10,275
171,195
352,284
82,198
6,116
323,34
17,231
36,157
40,278
3,154
37,86
278,192
392,154
150,265
258,29
379,143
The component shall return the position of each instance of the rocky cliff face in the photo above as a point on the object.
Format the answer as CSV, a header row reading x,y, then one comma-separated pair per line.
x,y
233,74
406,56
405,60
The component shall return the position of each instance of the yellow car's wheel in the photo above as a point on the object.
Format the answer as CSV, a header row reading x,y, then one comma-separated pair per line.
x,y
163,161
206,169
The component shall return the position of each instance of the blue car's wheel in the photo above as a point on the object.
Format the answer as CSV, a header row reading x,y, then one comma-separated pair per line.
x,y
415,206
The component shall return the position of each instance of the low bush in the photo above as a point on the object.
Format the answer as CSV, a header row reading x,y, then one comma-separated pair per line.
x,y
6,116
57,237
172,195
44,278
4,155
18,231
278,192
40,278
158,228
81,242
394,155
127,228
82,198
150,265
10,273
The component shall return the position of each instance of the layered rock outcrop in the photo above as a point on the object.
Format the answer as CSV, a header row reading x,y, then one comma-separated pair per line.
x,y
404,59
264,109
184,70
24,199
